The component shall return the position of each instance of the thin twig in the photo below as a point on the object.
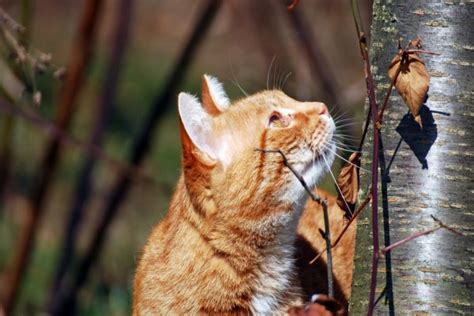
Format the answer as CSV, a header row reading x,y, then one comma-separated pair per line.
x,y
341,234
421,51
440,223
407,239
387,95
419,234
324,205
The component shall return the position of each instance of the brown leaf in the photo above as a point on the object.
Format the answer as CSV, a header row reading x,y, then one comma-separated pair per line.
x,y
348,182
412,78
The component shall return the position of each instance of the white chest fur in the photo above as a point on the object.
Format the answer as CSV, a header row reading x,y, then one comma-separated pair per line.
x,y
276,272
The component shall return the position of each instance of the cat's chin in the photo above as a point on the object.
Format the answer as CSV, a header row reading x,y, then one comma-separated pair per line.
x,y
319,167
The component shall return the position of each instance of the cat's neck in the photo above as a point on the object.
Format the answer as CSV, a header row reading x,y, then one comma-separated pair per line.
x,y
262,249
258,234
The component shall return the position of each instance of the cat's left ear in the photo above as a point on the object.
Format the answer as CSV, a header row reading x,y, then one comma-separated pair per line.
x,y
197,135
214,98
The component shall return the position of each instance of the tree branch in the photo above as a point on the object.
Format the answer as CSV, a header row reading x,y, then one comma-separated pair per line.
x,y
419,234
341,234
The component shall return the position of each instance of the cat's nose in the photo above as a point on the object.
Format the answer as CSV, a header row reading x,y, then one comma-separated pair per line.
x,y
323,109
318,107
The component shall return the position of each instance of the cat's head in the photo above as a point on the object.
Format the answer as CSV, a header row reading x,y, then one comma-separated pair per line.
x,y
223,166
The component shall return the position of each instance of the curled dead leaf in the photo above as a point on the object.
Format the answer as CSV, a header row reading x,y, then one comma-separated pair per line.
x,y
348,182
411,78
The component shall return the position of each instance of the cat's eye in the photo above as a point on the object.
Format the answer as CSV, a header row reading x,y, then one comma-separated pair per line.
x,y
276,119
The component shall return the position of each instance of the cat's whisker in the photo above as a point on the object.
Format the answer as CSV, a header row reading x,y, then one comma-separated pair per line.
x,y
345,139
344,135
341,115
346,119
285,79
337,185
275,74
348,150
269,71
341,141
234,81
338,110
342,158
281,75
344,146
347,124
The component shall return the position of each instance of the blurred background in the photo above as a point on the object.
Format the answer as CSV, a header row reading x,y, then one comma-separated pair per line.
x,y
89,142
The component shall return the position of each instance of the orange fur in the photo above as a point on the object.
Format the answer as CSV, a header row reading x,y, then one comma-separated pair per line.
x,y
226,245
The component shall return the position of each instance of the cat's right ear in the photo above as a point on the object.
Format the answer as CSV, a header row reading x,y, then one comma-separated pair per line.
x,y
196,130
214,98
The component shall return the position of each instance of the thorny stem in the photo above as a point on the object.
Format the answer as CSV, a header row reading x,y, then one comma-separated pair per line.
x,y
324,205
341,234
373,109
419,234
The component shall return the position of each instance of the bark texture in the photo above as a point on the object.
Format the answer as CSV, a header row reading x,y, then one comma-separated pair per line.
x,y
432,170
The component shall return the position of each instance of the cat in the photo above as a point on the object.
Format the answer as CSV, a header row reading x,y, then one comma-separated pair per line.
x,y
227,243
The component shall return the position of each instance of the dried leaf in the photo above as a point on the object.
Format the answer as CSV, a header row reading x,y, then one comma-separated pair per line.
x,y
348,182
412,78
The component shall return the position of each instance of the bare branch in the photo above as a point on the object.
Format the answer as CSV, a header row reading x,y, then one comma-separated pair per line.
x,y
354,216
419,234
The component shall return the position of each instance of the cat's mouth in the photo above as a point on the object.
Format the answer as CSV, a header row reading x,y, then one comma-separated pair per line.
x,y
315,168
323,150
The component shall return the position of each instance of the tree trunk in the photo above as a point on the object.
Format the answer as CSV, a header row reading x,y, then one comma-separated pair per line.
x,y
432,169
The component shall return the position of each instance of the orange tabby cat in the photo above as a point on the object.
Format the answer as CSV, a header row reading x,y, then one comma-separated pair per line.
x,y
226,245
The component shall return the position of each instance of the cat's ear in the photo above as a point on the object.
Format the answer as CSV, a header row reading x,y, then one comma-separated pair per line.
x,y
196,130
214,98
